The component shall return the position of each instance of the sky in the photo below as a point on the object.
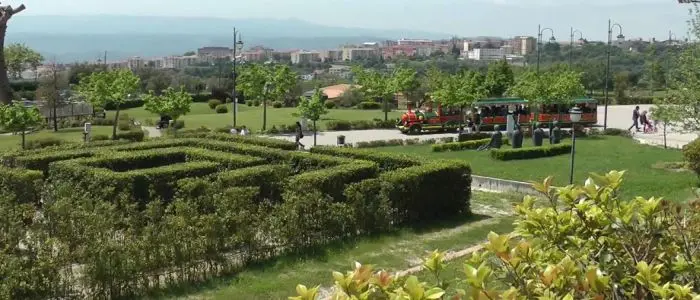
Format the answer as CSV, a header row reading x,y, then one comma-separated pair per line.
x,y
639,18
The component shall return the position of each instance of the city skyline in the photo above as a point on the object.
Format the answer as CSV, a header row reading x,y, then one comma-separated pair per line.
x,y
503,18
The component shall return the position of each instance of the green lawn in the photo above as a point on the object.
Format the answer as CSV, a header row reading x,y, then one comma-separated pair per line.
x,y
10,142
592,155
395,252
201,115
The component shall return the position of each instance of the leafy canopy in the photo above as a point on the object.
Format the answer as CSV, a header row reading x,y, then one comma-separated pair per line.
x,y
173,103
312,108
19,118
18,56
109,86
557,87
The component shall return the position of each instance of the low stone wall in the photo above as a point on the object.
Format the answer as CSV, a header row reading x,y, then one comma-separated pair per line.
x,y
501,185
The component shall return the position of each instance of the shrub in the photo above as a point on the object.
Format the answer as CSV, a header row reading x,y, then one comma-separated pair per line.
x,y
213,103
362,125
373,211
617,132
458,146
277,104
102,122
252,140
99,137
124,125
135,135
23,185
531,152
473,136
268,177
555,252
256,103
179,124
338,125
249,102
386,161
369,105
382,124
44,142
201,97
379,143
691,154
126,105
332,181
221,109
329,104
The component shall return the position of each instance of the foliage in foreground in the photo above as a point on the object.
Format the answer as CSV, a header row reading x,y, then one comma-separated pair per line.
x,y
585,243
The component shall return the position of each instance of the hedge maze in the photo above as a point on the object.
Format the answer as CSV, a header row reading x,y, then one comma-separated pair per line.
x,y
138,217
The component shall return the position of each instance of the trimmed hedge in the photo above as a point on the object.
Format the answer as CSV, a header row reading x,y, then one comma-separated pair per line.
x,y
369,105
473,136
44,142
386,161
458,146
134,135
269,178
342,125
531,152
332,181
253,140
24,185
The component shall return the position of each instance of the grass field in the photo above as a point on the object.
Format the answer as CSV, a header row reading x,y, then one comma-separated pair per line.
x,y
201,115
400,251
592,155
9,142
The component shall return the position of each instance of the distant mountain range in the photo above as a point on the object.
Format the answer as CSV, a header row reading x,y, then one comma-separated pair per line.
x,y
79,38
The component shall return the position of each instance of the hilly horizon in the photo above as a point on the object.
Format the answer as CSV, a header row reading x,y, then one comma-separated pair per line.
x,y
85,38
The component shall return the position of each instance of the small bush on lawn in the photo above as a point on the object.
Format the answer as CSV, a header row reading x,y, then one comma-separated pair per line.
x,y
277,104
617,132
124,117
135,135
124,125
338,125
459,146
531,152
44,142
24,185
386,161
249,102
329,104
221,109
691,153
102,122
213,103
179,124
369,105
256,103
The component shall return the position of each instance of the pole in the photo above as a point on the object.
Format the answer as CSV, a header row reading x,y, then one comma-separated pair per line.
x,y
105,60
234,97
668,61
55,95
573,153
607,75
539,40
571,48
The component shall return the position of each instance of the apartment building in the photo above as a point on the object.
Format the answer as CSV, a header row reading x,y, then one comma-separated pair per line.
x,y
331,55
215,52
340,71
179,62
257,53
399,51
486,54
523,45
414,42
303,56
354,53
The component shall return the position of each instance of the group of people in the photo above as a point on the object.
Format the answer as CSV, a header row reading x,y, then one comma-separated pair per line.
x,y
642,118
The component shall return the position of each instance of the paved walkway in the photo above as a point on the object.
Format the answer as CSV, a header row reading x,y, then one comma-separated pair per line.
x,y
619,116
152,131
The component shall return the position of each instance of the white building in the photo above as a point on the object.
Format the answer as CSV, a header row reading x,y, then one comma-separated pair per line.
x,y
340,71
486,54
354,53
179,62
302,56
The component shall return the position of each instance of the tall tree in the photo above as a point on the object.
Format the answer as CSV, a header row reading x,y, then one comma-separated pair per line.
x,y
499,78
548,88
284,80
6,13
112,86
654,73
312,108
622,80
19,118
374,85
19,58
460,90
172,103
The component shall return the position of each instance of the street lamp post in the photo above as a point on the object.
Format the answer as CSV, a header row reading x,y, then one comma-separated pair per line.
x,y
266,90
237,45
607,69
540,31
575,116
571,45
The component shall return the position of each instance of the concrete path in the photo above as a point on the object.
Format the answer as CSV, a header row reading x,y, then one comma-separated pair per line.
x,y
619,116
152,131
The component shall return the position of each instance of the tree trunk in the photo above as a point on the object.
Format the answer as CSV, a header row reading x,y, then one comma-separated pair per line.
x,y
314,133
114,126
55,116
23,139
5,89
264,114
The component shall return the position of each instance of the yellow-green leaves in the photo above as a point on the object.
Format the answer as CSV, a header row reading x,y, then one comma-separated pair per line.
x,y
305,293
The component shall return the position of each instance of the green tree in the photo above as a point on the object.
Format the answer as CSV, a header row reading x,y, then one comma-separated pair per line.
x,y
406,82
173,103
284,80
622,80
50,86
558,88
499,78
114,86
18,57
312,108
252,83
460,90
654,73
375,86
665,114
19,118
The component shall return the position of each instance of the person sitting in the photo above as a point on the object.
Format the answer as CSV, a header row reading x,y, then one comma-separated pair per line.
x,y
644,119
496,140
244,131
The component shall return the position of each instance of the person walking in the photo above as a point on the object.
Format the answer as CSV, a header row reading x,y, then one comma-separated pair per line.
x,y
299,136
635,119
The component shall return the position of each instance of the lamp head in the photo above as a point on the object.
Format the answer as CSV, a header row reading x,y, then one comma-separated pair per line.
x,y
552,39
239,45
575,114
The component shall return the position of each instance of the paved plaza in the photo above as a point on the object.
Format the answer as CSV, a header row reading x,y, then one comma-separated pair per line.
x,y
619,116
